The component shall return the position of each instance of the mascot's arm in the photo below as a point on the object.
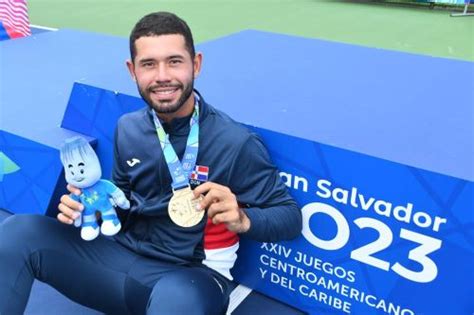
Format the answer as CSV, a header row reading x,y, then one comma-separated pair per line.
x,y
117,195
120,200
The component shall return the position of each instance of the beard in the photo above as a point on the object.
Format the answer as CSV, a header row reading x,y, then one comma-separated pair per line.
x,y
166,107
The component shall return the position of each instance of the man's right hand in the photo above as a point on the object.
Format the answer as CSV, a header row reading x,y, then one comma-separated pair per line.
x,y
69,209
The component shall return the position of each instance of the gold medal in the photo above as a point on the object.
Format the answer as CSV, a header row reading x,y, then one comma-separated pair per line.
x,y
182,208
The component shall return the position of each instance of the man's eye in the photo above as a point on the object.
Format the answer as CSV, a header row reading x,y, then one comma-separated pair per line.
x,y
175,61
147,64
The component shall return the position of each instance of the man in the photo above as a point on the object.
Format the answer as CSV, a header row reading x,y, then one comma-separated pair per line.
x,y
177,245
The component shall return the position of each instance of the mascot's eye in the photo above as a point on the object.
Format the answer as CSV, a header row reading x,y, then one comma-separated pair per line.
x,y
82,171
72,173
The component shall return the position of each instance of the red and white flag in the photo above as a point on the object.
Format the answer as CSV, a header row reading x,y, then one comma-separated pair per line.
x,y
14,19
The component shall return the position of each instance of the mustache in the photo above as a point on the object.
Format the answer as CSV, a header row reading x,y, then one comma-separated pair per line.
x,y
167,85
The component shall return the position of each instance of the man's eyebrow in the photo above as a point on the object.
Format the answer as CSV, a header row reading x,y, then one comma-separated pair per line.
x,y
176,56
146,60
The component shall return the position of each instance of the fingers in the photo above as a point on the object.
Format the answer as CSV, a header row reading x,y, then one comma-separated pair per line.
x,y
207,186
222,206
221,212
219,207
64,219
74,190
236,221
69,209
67,201
220,202
214,193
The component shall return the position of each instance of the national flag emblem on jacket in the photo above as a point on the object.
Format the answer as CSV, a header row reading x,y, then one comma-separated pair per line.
x,y
200,173
14,21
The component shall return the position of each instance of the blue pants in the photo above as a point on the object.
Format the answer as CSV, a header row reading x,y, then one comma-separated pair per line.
x,y
100,274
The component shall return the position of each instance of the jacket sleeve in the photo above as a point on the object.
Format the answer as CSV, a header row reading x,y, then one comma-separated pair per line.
x,y
256,182
119,176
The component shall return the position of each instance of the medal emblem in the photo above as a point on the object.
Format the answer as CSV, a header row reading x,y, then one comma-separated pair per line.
x,y
182,208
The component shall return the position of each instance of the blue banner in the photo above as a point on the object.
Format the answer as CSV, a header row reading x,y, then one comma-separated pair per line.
x,y
378,237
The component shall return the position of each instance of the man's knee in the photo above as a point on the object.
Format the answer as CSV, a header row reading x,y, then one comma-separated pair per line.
x,y
23,228
174,293
185,293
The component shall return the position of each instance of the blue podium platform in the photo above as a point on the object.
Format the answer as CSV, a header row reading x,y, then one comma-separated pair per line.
x,y
40,73
376,146
411,109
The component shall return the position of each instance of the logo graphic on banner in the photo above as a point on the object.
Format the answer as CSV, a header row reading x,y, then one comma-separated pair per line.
x,y
14,21
7,166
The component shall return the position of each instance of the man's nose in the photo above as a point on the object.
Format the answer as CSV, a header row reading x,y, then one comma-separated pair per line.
x,y
162,73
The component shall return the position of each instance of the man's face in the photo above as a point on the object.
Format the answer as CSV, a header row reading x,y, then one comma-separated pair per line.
x,y
164,71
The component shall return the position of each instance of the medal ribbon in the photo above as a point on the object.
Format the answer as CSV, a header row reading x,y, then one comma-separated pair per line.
x,y
179,171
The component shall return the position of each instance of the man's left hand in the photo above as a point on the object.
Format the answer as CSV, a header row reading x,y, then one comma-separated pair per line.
x,y
222,207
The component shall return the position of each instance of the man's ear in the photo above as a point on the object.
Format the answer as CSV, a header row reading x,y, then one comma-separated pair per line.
x,y
131,69
197,64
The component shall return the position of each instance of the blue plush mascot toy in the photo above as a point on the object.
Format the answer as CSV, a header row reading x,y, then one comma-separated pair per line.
x,y
82,170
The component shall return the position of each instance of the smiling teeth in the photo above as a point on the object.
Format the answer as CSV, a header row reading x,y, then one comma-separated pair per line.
x,y
165,92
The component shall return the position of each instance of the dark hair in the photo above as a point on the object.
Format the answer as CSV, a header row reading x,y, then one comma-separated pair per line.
x,y
161,23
